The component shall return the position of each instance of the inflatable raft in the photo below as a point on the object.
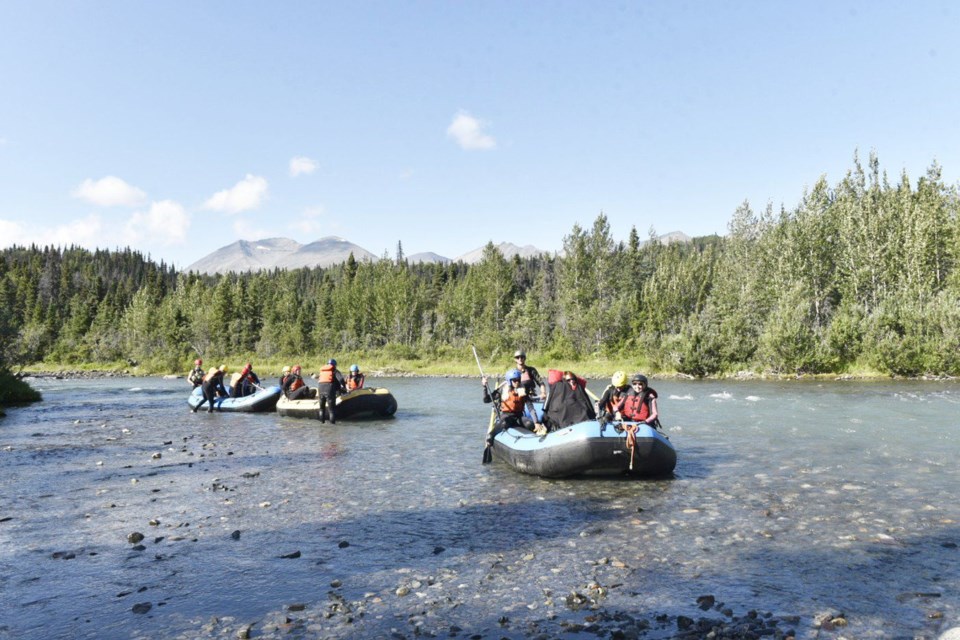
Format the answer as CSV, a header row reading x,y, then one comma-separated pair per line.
x,y
588,448
263,400
368,402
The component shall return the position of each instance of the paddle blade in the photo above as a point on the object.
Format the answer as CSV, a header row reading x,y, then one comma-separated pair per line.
x,y
487,455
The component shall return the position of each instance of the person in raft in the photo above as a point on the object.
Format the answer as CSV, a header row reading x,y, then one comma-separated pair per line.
x,y
516,408
294,388
244,383
212,387
618,389
195,377
530,378
642,405
567,402
283,375
355,378
330,384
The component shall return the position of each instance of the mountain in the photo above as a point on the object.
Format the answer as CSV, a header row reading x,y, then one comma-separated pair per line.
x,y
506,248
324,253
244,255
282,253
428,256
674,236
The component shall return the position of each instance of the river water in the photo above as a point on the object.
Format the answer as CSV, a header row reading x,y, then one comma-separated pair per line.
x,y
801,501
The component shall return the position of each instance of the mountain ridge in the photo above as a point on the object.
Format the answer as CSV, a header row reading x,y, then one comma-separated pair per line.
x,y
285,253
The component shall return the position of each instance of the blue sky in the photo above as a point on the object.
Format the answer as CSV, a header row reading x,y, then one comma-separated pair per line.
x,y
179,127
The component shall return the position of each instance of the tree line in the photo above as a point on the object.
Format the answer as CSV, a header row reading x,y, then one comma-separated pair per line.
x,y
862,274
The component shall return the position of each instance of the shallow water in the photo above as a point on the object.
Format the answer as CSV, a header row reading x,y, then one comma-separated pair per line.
x,y
794,498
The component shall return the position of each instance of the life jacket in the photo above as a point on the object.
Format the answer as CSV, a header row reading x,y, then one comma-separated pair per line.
x,y
616,396
297,383
196,376
637,408
212,372
326,374
236,378
354,381
512,402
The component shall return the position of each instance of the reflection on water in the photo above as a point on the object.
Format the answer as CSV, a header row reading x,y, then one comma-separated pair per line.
x,y
794,498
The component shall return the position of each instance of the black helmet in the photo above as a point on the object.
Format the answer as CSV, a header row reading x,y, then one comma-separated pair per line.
x,y
639,377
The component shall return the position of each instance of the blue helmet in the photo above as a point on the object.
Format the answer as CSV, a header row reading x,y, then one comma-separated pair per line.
x,y
354,368
332,361
513,374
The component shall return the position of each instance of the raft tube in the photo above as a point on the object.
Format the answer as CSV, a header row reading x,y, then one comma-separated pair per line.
x,y
587,448
264,399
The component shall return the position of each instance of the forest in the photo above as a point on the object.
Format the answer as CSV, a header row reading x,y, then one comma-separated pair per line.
x,y
861,275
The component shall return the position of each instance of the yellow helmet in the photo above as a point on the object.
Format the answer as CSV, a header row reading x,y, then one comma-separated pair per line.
x,y
619,379
223,368
286,369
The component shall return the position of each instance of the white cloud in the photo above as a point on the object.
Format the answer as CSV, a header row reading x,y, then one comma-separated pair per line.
x,y
87,232
467,132
109,192
246,194
302,165
165,223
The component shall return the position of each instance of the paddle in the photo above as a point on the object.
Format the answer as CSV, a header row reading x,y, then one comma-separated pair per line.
x,y
487,449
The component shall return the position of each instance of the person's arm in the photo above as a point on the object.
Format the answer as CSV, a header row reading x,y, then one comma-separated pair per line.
x,y
652,418
487,396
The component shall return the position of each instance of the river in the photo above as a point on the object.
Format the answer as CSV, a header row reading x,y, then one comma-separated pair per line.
x,y
828,509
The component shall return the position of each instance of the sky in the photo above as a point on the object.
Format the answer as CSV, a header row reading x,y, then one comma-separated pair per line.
x,y
179,127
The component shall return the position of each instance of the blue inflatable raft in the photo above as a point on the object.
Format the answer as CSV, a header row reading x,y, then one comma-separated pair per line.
x,y
264,399
588,448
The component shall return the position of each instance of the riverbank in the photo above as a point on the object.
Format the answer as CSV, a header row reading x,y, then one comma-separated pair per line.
x,y
593,370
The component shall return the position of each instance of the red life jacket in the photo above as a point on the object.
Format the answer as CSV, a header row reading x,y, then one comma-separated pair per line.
x,y
637,408
326,374
297,383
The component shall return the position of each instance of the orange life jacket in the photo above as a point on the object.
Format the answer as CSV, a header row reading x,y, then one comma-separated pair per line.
x,y
297,383
354,381
512,402
326,374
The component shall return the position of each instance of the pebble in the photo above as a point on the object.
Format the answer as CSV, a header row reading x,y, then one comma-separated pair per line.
x,y
135,537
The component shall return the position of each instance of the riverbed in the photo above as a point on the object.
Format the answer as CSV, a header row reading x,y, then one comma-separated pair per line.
x,y
798,509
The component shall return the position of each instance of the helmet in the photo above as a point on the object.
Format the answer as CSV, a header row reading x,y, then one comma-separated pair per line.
x,y
519,353
619,379
638,377
246,369
513,374
250,366
223,368
354,368
198,362
332,361
296,369
286,369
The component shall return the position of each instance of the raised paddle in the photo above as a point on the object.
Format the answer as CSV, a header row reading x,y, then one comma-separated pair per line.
x,y
487,452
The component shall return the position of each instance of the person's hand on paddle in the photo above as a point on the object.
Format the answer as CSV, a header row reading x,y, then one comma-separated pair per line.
x,y
540,429
483,381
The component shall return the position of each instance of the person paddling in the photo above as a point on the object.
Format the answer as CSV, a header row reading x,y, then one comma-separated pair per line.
x,y
514,404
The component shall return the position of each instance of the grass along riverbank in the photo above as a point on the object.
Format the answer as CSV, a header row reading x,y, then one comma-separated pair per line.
x,y
388,365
